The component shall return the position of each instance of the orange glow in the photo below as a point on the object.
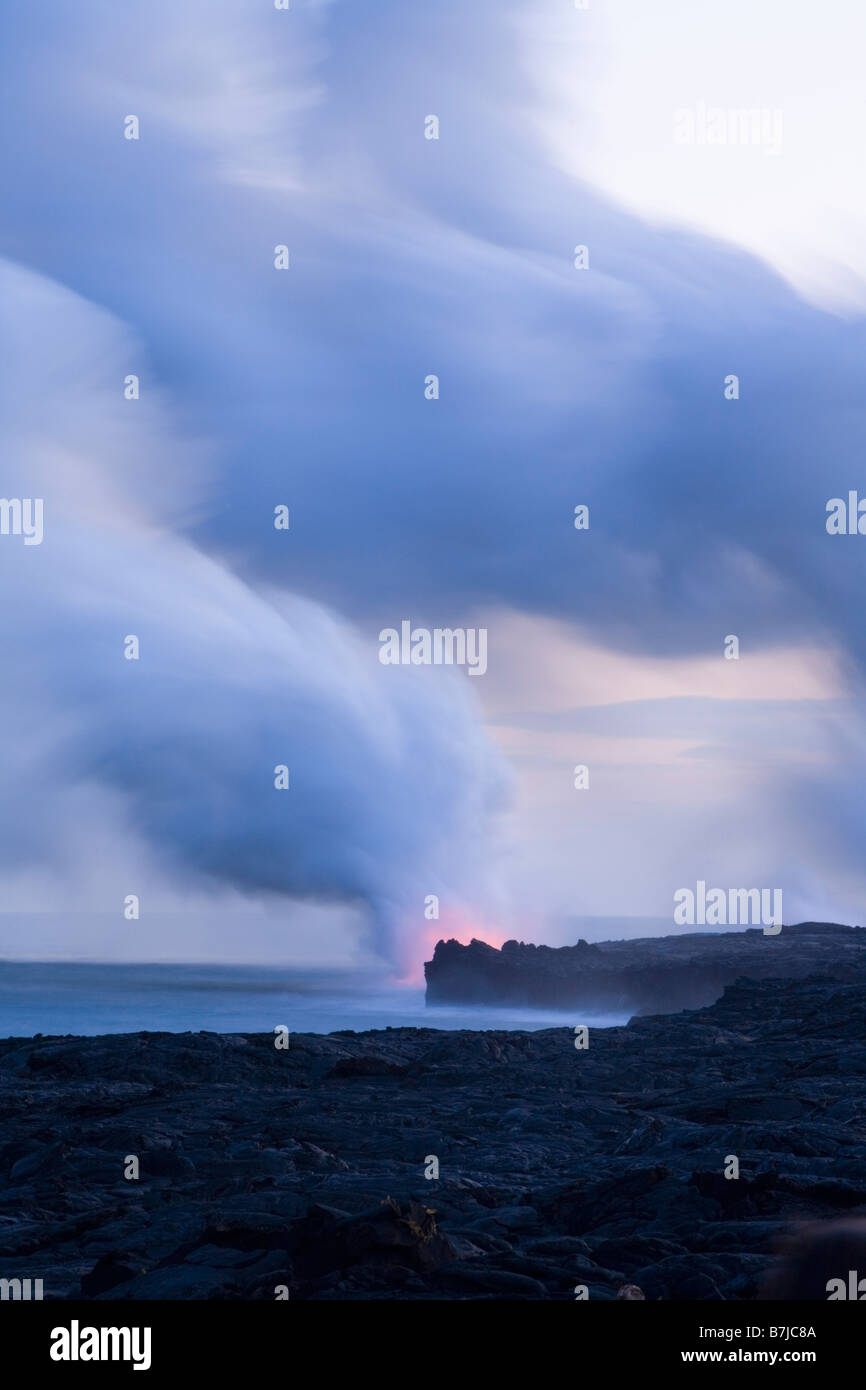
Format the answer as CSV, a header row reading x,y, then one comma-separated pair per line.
x,y
452,925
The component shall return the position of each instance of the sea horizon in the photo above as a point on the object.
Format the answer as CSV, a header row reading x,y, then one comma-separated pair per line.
x,y
91,998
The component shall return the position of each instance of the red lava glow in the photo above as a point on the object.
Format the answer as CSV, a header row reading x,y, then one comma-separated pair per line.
x,y
452,925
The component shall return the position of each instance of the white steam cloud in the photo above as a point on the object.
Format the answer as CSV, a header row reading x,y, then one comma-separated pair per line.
x,y
392,781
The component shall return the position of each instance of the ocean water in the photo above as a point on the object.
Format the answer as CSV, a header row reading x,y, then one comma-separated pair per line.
x,y
87,999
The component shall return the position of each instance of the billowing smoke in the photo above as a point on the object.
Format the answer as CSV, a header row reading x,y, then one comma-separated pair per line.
x,y
451,257
408,257
391,782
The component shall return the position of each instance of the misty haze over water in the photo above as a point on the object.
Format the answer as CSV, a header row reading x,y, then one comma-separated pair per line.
x,y
91,999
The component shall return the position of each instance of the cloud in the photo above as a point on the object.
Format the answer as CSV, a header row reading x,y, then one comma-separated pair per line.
x,y
392,783
454,256
558,386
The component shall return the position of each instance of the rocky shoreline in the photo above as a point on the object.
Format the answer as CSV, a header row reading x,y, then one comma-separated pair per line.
x,y
265,1172
659,974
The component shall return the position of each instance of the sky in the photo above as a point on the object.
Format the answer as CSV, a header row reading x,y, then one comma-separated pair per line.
x,y
707,163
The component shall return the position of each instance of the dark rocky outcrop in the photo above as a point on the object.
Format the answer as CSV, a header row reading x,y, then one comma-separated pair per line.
x,y
647,975
264,1171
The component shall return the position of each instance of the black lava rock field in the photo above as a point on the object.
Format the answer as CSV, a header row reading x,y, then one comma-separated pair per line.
x,y
205,1166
